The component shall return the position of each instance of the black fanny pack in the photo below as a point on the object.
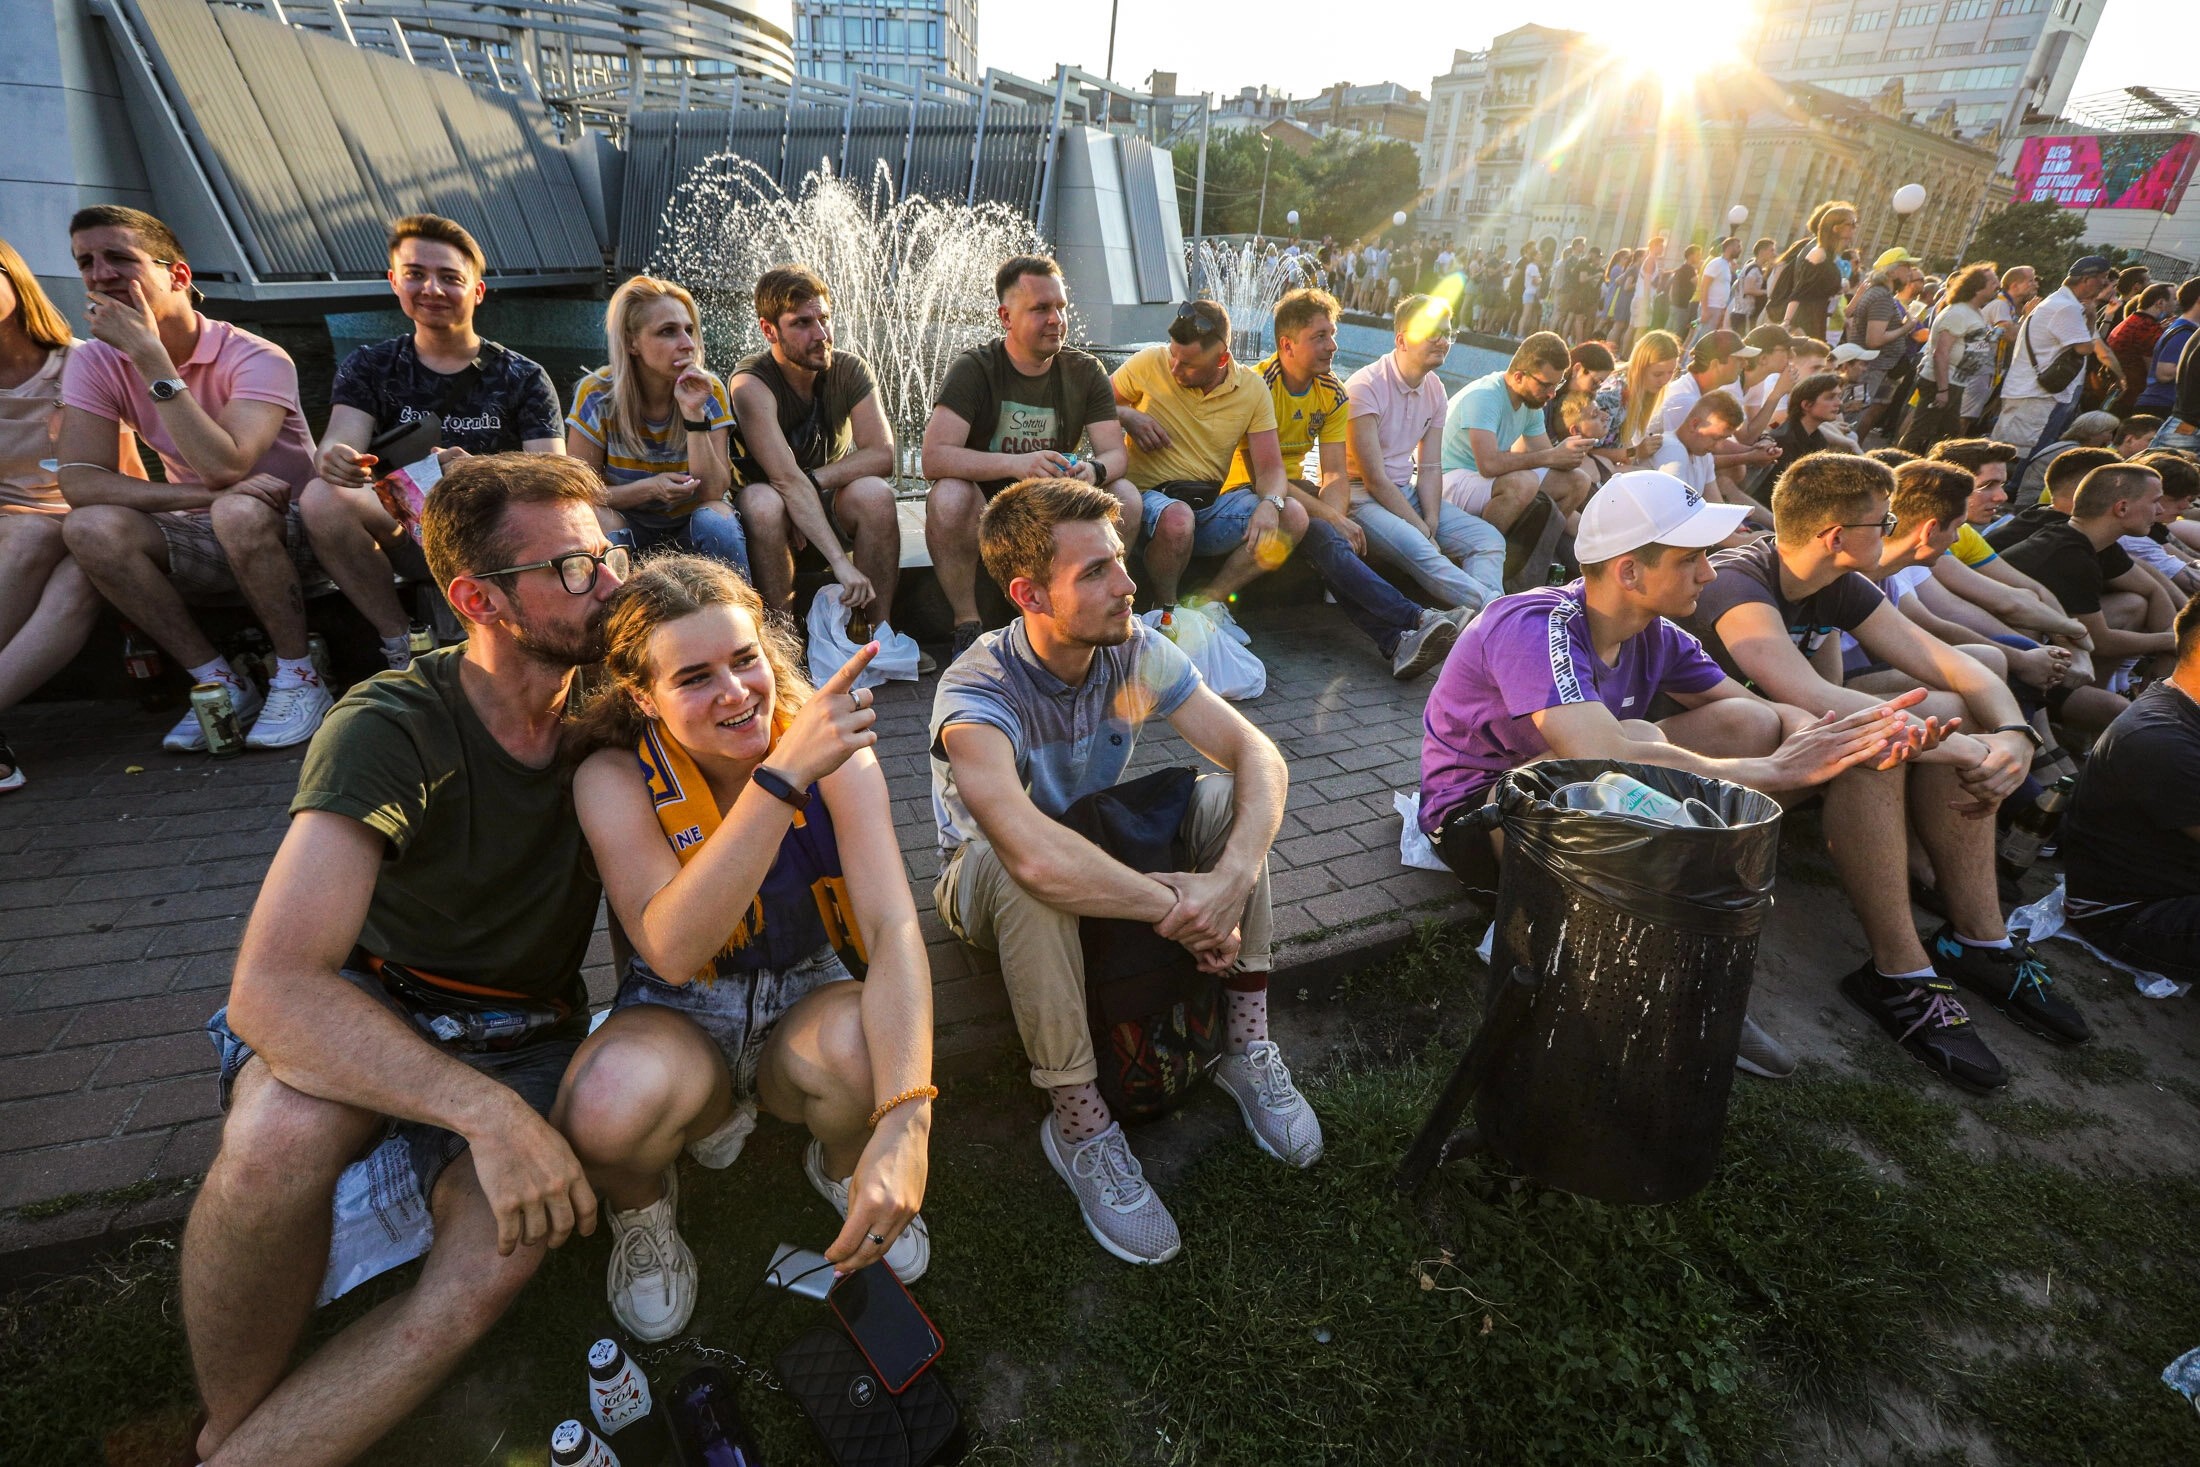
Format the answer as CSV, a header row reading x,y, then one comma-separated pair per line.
x,y
465,1016
1198,493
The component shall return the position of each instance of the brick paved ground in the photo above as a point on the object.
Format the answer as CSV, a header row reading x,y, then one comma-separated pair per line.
x,y
122,897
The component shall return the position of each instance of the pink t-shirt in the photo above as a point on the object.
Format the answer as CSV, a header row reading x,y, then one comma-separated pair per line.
x,y
228,364
1403,416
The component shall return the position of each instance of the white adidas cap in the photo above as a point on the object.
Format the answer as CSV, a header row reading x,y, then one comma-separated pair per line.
x,y
1649,507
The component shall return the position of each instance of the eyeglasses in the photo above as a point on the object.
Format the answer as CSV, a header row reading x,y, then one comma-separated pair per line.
x,y
576,569
1883,526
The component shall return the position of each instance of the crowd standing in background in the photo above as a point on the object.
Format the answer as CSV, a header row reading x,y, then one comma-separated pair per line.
x,y
1918,548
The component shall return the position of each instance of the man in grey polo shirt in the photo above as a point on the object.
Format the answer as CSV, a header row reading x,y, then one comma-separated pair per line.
x,y
1035,717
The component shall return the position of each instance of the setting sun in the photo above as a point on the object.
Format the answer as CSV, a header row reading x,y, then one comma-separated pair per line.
x,y
1675,55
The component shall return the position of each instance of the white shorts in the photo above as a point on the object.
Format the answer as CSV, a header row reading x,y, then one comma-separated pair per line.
x,y
1470,491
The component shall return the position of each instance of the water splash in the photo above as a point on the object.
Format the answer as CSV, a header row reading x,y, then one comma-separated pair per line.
x,y
1248,283
911,278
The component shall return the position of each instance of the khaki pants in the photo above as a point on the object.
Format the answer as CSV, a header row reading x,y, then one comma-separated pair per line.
x,y
1041,963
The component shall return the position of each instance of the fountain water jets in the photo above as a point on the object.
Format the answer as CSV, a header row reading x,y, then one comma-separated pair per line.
x,y
911,279
1247,284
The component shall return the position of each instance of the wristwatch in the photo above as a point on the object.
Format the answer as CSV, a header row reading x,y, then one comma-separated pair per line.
x,y
1275,499
778,787
167,389
2023,728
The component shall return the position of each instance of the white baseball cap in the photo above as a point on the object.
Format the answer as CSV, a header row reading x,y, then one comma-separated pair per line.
x,y
1650,507
1849,351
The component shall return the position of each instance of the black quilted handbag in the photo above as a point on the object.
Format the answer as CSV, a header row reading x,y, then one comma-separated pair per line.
x,y
861,1423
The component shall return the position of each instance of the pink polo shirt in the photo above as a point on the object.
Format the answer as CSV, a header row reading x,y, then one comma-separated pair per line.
x,y
228,364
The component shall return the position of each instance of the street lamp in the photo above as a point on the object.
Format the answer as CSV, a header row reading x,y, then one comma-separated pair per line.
x,y
1737,216
1292,219
1908,199
1260,225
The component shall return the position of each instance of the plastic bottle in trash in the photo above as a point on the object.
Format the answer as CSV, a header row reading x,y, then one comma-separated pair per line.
x,y
2035,826
1615,793
572,1444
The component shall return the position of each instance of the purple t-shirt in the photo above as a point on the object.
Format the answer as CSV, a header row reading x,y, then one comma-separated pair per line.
x,y
1524,654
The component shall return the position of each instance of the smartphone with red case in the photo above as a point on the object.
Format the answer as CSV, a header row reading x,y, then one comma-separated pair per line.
x,y
886,1324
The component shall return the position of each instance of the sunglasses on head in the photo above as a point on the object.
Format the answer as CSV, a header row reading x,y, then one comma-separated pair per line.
x,y
1196,320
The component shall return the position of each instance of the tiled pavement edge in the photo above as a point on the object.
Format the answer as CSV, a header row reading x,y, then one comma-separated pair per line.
x,y
123,896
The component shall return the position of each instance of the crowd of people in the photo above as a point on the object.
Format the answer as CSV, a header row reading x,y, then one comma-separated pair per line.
x,y
1662,534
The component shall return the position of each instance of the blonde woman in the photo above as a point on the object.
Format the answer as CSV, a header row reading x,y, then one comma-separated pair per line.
x,y
47,606
746,841
1652,364
653,424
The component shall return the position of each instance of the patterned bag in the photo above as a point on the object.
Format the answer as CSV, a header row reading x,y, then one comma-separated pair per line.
x,y
1156,1019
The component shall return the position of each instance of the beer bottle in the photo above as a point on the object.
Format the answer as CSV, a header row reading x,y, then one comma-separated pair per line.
x,y
619,1398
2034,827
141,661
574,1445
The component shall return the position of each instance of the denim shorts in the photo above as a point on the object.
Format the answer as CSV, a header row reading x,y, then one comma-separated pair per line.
x,y
533,1070
738,1012
1216,530
714,530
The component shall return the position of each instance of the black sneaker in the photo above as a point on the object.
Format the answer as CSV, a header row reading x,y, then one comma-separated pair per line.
x,y
2014,980
1926,1018
966,637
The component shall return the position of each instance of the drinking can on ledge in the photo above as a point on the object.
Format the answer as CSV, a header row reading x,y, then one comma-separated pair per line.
x,y
217,715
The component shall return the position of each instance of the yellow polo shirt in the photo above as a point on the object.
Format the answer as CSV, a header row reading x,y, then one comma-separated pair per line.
x,y
1303,420
1971,547
1205,428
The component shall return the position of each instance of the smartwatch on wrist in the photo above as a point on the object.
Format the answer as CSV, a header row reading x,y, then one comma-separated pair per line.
x,y
167,389
775,784
2023,728
696,425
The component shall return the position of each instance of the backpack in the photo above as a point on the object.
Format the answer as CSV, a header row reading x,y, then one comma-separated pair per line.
x,y
1779,285
1156,1019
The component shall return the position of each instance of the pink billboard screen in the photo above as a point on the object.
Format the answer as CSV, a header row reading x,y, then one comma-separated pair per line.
x,y
2117,170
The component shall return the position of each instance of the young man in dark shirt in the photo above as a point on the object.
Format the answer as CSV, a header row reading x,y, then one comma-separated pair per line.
x,y
1015,409
433,863
487,398
1771,618
812,452
2078,558
2127,599
2131,837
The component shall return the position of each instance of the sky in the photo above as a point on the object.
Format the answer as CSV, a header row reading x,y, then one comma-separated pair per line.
x,y
1301,46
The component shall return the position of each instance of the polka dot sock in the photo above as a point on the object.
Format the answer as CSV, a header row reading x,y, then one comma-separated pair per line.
x,y
1247,1020
1079,1112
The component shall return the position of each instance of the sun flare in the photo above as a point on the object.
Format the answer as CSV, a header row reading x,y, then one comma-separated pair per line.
x,y
1674,55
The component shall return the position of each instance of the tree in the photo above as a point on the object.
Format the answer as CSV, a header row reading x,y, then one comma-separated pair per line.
x,y
1346,186
2043,235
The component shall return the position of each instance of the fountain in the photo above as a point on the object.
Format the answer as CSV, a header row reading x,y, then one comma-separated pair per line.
x,y
1247,283
912,278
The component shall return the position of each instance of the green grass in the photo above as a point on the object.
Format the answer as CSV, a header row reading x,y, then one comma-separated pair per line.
x,y
113,1197
1319,1317
2099,1064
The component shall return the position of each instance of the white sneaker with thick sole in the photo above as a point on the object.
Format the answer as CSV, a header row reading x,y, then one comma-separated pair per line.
x,y
908,1255
188,738
1761,1054
651,1283
1282,1123
292,712
1124,1215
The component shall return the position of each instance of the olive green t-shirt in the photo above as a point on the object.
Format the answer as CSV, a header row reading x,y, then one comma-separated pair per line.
x,y
484,879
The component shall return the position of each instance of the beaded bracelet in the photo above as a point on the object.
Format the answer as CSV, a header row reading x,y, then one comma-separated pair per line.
x,y
914,1092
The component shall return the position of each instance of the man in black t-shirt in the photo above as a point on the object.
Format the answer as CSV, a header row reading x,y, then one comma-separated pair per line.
x,y
813,453
2131,837
410,986
1772,617
1015,409
2130,602
489,400
2078,558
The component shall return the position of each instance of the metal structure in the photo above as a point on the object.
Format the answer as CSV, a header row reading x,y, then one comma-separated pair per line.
x,y
2137,109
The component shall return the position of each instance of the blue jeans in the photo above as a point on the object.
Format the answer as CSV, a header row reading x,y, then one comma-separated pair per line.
x,y
1216,530
714,530
1465,566
2185,442
1373,604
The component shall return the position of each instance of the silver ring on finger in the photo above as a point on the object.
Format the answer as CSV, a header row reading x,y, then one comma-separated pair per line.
x,y
861,697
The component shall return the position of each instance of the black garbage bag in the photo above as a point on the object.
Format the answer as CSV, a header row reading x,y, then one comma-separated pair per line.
x,y
1639,939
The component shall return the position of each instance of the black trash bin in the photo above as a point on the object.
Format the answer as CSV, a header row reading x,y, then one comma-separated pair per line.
x,y
1620,975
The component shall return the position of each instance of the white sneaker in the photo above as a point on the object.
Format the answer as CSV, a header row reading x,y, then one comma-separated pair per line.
x,y
1282,1123
1426,645
651,1284
1762,1055
13,779
293,712
909,1255
1219,613
1123,1214
188,738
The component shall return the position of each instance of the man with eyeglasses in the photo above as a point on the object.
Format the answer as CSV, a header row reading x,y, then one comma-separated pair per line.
x,y
1772,617
1393,442
410,986
220,407
1189,409
1498,455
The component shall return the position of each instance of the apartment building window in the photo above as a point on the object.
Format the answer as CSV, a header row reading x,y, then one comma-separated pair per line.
x,y
1960,48
1970,10
1783,30
1825,25
1852,58
1916,15
2019,7
2010,43
1868,20
1904,53
1971,79
1813,63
